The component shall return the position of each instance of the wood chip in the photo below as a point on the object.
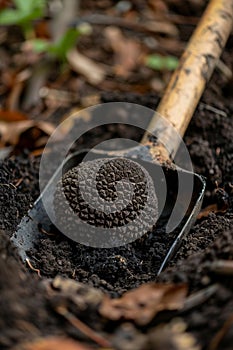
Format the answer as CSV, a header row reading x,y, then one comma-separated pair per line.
x,y
81,64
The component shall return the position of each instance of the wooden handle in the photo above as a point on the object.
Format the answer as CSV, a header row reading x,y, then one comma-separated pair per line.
x,y
188,81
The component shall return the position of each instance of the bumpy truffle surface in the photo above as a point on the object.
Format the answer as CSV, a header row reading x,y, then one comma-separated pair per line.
x,y
106,194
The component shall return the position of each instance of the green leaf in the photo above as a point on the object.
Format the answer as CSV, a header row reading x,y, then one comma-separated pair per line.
x,y
23,5
40,45
158,62
64,44
28,17
10,17
58,49
171,63
35,10
28,6
27,10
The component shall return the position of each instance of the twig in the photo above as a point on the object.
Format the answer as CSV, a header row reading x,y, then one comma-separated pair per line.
x,y
58,96
93,72
8,185
199,298
179,19
224,69
82,327
222,267
69,11
161,27
214,345
14,97
19,181
35,83
213,109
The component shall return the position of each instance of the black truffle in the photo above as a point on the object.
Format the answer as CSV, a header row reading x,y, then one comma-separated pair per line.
x,y
106,202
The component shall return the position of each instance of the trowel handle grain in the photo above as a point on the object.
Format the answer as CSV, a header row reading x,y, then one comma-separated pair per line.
x,y
188,81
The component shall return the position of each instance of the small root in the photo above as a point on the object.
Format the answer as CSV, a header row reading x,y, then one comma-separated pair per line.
x,y
33,268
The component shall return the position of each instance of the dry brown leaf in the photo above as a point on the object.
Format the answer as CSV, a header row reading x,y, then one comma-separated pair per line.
x,y
212,208
55,343
4,4
27,132
12,116
42,29
159,7
127,51
18,83
142,304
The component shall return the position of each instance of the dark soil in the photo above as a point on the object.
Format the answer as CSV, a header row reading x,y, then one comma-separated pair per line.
x,y
124,268
116,270
28,303
18,189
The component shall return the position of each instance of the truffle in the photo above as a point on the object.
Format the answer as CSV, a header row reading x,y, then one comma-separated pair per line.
x,y
105,202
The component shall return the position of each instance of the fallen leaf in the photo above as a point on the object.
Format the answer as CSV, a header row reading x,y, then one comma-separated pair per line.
x,y
159,7
4,4
12,116
25,134
42,29
55,343
127,51
212,208
142,304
